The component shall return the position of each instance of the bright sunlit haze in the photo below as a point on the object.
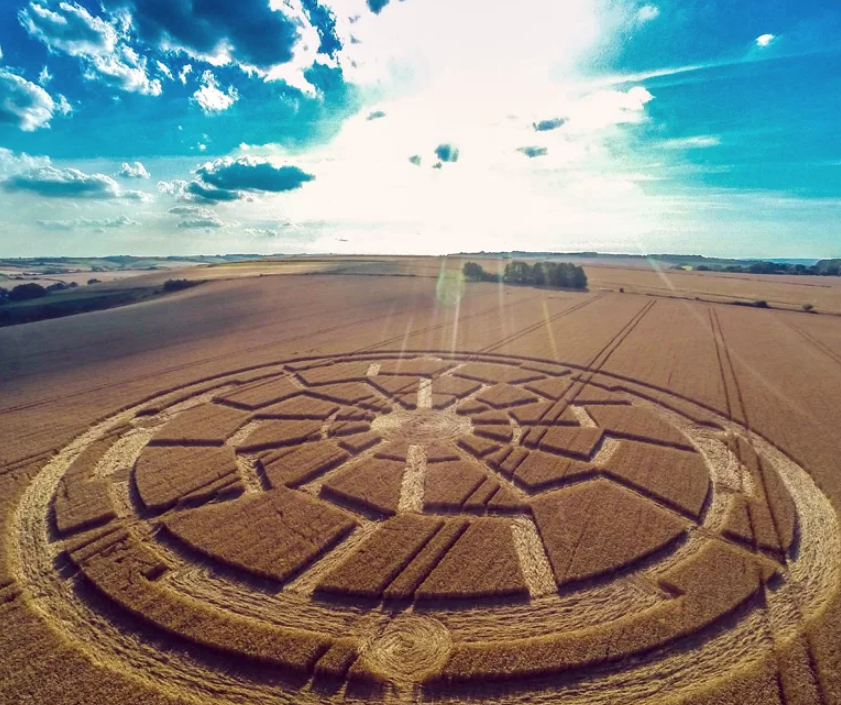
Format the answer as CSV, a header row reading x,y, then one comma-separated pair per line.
x,y
423,126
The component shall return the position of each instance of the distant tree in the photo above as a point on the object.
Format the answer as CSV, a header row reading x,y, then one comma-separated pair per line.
x,y
171,285
579,277
93,281
558,275
4,295
703,268
541,272
767,268
828,267
518,273
808,308
58,286
562,275
25,292
473,271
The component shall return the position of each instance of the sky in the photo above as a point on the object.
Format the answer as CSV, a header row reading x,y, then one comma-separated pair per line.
x,y
167,127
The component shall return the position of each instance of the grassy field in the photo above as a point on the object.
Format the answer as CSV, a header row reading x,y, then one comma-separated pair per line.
x,y
357,481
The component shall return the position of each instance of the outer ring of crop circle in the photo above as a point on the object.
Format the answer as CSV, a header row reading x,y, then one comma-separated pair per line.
x,y
53,472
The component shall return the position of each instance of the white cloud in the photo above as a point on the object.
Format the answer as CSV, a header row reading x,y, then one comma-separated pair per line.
x,y
164,69
99,224
14,163
601,109
210,98
695,142
24,104
261,232
185,71
172,188
125,70
135,195
45,76
69,29
437,41
193,211
53,182
202,223
647,13
304,52
763,40
64,106
133,170
100,45
492,196
415,67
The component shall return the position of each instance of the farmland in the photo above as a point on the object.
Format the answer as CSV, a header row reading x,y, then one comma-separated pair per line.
x,y
343,484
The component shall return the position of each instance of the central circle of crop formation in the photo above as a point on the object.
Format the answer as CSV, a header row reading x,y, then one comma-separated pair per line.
x,y
422,425
414,524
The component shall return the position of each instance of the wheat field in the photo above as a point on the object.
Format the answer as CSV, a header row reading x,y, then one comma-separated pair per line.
x,y
321,489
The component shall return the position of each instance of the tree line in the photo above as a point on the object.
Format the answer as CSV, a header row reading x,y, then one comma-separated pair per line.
x,y
28,292
826,268
561,275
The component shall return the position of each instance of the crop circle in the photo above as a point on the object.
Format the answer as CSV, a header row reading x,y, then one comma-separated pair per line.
x,y
424,521
409,646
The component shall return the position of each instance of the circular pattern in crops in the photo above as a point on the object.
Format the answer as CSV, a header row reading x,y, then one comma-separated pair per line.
x,y
410,525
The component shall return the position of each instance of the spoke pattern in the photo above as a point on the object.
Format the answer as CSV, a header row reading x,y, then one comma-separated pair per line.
x,y
472,490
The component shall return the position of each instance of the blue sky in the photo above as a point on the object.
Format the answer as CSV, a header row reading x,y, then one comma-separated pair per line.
x,y
197,126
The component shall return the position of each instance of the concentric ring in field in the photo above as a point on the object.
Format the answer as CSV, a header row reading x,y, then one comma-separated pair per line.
x,y
425,520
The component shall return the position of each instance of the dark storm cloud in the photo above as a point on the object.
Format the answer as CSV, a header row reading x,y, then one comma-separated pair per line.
x,y
546,125
324,22
532,152
254,33
248,174
376,6
447,152
232,179
196,190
